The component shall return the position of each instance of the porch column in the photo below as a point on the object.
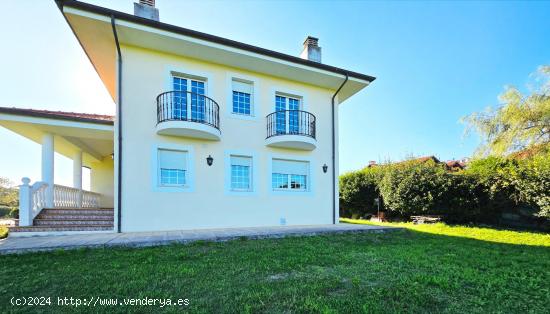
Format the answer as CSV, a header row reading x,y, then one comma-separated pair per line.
x,y
47,166
77,175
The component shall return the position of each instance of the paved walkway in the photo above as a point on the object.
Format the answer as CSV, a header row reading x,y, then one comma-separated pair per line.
x,y
137,239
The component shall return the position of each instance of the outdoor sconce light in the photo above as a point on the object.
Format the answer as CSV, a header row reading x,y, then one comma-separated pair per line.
x,y
325,168
209,160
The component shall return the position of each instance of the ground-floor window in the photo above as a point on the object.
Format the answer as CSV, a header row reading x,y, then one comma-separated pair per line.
x,y
172,166
289,175
241,173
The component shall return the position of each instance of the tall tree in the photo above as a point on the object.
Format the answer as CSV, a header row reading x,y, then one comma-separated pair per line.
x,y
519,122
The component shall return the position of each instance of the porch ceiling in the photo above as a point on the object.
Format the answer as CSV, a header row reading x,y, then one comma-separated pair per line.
x,y
95,140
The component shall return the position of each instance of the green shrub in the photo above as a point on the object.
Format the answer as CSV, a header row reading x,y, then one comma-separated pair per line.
x,y
413,188
463,200
5,211
357,192
510,183
482,193
3,232
532,183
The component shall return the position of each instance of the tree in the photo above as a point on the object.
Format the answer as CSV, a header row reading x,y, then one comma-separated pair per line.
x,y
520,121
8,193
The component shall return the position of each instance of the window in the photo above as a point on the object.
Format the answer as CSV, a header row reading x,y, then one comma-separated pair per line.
x,y
242,97
282,104
172,167
289,175
193,91
241,173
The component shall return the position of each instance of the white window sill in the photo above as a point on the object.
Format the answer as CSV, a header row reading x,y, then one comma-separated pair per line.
x,y
241,192
173,188
243,116
291,192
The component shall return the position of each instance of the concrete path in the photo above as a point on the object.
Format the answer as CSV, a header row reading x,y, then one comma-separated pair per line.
x,y
138,239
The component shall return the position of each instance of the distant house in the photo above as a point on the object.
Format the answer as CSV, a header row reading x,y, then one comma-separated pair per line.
x,y
373,163
530,151
455,165
451,165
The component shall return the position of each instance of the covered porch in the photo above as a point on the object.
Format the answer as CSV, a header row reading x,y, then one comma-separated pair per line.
x,y
86,139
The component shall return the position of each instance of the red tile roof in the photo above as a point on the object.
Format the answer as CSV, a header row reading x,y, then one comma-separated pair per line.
x,y
63,115
455,163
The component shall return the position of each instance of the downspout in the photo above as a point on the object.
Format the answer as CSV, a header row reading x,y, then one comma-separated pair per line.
x,y
334,153
119,116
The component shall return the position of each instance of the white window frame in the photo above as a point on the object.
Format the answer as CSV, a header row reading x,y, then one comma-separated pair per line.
x,y
255,108
159,169
289,180
172,70
250,174
253,172
288,92
287,96
189,185
310,178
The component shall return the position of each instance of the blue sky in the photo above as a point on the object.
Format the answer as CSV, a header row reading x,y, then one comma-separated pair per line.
x,y
434,62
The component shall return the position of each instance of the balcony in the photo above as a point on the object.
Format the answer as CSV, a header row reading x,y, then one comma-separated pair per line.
x,y
188,114
293,129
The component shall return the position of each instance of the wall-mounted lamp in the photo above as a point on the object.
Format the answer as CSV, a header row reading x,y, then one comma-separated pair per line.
x,y
209,160
325,168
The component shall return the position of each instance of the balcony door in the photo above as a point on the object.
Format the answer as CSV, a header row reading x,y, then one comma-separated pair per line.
x,y
287,109
191,95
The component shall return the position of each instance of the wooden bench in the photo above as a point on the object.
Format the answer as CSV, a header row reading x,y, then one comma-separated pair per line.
x,y
425,219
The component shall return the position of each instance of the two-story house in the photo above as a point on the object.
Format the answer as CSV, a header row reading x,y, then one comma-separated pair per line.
x,y
208,133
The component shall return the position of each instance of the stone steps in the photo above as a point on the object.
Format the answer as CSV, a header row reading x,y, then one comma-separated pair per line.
x,y
74,216
78,211
70,219
72,222
62,228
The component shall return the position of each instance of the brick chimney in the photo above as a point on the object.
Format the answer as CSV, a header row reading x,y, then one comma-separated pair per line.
x,y
312,51
146,9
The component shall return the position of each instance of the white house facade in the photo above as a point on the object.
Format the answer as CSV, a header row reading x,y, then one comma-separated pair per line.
x,y
208,132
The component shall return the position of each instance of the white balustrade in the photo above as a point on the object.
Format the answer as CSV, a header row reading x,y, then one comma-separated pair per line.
x,y
33,198
68,197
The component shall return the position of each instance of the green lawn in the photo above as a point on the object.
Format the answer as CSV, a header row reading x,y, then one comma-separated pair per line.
x,y
433,268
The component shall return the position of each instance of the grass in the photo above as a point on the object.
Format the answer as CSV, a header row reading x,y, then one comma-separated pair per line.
x,y
448,270
472,232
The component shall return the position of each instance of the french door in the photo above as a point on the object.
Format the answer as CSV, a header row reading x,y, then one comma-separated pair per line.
x,y
190,103
287,112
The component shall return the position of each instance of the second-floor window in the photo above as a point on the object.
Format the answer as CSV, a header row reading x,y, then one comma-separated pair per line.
x,y
190,103
287,109
242,97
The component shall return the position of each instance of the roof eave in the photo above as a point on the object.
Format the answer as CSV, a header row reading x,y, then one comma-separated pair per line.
x,y
52,115
208,37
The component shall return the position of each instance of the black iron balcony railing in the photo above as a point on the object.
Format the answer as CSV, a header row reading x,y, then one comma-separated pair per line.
x,y
290,122
188,106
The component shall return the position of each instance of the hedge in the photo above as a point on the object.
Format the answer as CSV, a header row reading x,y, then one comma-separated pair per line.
x,y
483,192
